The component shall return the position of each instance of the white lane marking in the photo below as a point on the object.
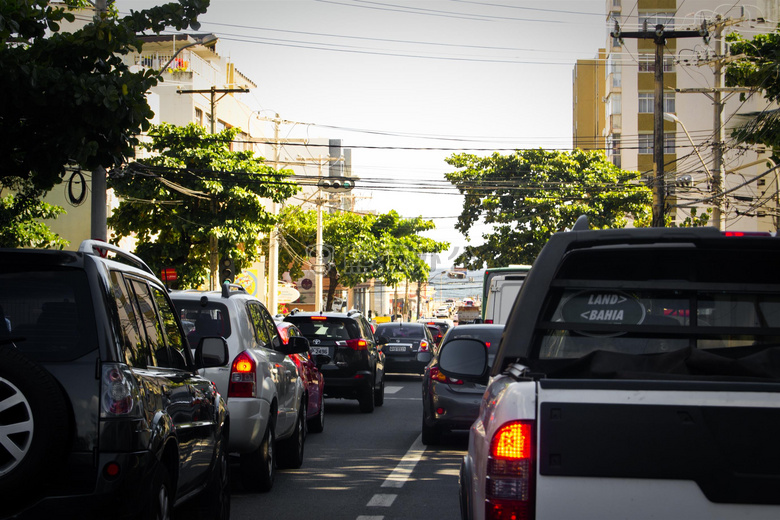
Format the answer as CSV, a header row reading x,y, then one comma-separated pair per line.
x,y
381,500
401,473
392,389
363,517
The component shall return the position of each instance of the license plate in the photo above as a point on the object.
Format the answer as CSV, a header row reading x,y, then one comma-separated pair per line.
x,y
397,349
317,351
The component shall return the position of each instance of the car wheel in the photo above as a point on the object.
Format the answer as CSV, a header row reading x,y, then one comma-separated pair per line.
x,y
366,400
291,450
34,439
214,501
160,503
379,394
431,435
258,468
317,424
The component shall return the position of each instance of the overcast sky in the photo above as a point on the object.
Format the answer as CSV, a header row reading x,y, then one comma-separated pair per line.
x,y
407,83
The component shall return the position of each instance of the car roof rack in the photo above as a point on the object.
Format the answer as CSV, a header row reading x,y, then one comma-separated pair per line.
x,y
229,289
100,248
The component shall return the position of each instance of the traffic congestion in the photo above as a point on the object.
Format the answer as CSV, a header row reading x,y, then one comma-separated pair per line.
x,y
389,260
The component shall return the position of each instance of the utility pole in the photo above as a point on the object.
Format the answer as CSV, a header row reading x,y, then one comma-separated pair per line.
x,y
718,101
98,225
659,37
213,243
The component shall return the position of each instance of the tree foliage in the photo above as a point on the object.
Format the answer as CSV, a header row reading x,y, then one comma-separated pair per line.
x,y
21,215
67,96
192,189
759,68
357,247
527,196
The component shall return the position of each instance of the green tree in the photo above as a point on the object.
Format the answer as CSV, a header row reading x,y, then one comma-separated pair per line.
x,y
192,191
20,219
67,96
359,247
758,67
527,196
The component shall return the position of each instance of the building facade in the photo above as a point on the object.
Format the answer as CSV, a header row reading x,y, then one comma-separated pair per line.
x,y
703,169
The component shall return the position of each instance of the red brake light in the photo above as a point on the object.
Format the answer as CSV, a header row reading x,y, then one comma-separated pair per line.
x,y
436,375
510,475
488,320
319,318
423,346
357,344
243,380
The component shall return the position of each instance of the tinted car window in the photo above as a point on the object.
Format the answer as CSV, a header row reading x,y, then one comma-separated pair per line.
x,y
134,348
209,321
259,324
49,315
330,329
170,330
401,331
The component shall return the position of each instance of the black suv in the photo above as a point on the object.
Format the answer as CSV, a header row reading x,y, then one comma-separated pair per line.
x,y
356,368
102,411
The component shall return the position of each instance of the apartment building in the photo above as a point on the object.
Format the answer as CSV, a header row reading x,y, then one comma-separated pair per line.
x,y
614,101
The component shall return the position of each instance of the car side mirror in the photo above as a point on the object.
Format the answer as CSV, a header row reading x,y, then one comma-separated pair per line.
x,y
211,352
464,359
296,345
424,357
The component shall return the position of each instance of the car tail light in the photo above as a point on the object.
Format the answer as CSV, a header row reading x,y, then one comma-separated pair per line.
x,y
119,391
357,344
423,346
437,375
511,473
488,320
243,376
284,334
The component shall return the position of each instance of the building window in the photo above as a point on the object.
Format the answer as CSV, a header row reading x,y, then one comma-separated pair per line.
x,y
653,19
647,63
199,116
614,104
646,144
647,102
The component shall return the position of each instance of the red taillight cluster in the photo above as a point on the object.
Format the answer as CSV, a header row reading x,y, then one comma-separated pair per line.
x,y
357,344
243,376
436,375
423,346
119,391
510,473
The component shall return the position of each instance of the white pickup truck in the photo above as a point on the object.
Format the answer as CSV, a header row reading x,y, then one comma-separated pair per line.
x,y
638,377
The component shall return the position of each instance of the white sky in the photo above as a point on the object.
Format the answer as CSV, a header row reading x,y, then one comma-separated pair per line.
x,y
457,74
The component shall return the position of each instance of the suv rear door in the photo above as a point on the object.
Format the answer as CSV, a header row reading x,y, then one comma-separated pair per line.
x,y
329,335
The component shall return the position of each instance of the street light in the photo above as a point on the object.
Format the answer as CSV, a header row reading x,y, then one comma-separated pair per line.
x,y
716,209
205,40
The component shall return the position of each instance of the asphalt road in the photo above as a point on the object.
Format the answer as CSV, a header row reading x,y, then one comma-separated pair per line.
x,y
365,467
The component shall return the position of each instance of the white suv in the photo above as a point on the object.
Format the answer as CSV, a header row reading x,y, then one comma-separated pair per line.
x,y
266,395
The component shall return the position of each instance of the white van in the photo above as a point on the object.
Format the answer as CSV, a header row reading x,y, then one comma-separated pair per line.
x,y
501,288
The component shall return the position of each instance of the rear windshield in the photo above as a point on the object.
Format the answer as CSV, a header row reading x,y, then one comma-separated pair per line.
x,y
328,329
401,331
663,301
48,314
199,321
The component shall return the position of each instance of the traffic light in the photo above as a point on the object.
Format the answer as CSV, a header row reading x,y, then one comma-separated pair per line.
x,y
227,271
336,184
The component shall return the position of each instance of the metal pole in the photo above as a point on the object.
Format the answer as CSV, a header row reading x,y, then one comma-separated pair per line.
x,y
659,187
273,242
717,152
98,225
318,267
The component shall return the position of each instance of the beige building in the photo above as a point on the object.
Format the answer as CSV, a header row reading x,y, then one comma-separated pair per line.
x,y
614,107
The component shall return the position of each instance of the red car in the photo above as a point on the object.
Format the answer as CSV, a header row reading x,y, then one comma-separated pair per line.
x,y
312,378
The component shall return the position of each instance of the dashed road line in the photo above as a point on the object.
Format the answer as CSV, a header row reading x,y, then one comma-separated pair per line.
x,y
393,389
381,500
401,473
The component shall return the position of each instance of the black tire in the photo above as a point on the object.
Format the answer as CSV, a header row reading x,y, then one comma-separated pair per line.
x,y
159,506
258,468
379,394
37,408
214,501
317,424
366,400
291,450
431,435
